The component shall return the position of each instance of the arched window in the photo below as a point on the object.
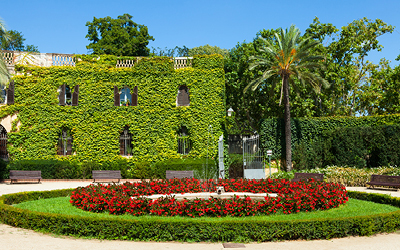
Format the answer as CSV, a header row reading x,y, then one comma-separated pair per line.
x,y
67,97
125,142
64,146
184,143
182,98
126,97
3,143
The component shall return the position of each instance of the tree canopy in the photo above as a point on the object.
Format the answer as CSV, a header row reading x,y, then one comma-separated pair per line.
x,y
14,40
287,56
120,37
356,85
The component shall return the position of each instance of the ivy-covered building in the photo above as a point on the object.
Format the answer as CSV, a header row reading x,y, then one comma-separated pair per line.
x,y
145,110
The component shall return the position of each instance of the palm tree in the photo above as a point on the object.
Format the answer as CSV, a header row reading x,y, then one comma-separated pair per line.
x,y
4,74
287,57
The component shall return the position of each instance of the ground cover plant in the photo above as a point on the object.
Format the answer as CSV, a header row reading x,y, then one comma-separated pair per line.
x,y
293,197
348,176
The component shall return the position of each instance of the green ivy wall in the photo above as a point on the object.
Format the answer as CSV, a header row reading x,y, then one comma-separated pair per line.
x,y
96,123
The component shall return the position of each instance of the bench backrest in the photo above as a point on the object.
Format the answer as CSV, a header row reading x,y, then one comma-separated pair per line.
x,y
385,179
306,176
106,174
171,174
25,174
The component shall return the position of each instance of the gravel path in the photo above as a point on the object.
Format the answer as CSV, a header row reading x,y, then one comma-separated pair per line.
x,y
17,238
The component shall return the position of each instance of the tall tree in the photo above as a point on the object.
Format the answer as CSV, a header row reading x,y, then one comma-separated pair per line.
x,y
4,74
289,57
14,40
347,67
177,51
208,50
120,37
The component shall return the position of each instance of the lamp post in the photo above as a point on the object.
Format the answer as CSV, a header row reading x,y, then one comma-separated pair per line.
x,y
230,111
269,153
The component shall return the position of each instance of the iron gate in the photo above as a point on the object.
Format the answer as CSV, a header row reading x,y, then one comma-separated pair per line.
x,y
253,158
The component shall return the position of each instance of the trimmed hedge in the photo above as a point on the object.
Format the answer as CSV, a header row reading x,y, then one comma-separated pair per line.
x,y
188,230
198,166
317,142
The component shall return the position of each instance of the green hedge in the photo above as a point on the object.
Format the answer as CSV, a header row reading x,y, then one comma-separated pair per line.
x,y
355,146
202,168
188,230
310,135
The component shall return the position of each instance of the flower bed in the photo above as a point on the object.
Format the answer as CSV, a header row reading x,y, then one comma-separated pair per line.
x,y
293,197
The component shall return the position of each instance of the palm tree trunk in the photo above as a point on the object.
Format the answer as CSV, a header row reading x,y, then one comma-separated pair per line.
x,y
288,130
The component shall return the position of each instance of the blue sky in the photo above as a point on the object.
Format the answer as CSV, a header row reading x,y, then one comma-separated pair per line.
x,y
59,26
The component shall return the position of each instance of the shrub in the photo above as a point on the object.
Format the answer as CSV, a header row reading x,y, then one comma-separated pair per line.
x,y
202,168
343,141
348,176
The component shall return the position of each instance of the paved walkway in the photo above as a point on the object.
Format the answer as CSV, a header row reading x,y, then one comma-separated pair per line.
x,y
16,238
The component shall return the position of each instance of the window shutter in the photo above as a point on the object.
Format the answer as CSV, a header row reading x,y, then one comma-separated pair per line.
x,y
75,96
121,146
135,96
60,146
69,146
61,97
10,93
116,96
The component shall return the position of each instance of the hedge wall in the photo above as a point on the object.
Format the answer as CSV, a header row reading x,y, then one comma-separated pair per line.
x,y
309,137
96,123
189,230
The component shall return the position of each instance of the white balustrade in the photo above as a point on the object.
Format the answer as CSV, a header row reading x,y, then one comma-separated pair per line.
x,y
12,58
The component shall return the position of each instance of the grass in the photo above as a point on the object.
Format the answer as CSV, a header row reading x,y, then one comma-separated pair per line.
x,y
352,208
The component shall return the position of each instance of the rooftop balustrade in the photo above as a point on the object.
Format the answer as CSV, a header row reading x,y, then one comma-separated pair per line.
x,y
12,58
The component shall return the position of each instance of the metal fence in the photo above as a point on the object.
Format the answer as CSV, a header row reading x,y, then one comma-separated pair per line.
x,y
253,157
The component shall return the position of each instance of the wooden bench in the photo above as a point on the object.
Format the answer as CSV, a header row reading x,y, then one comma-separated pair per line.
x,y
171,174
106,175
25,175
384,180
307,176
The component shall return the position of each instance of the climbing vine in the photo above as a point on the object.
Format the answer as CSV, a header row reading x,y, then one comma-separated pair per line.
x,y
96,124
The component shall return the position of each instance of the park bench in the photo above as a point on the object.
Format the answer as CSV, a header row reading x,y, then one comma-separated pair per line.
x,y
171,174
384,180
307,176
106,175
25,175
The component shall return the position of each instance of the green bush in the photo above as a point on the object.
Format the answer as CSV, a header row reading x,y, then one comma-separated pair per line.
x,y
235,166
346,141
195,230
348,176
3,169
202,168
355,146
61,169
51,169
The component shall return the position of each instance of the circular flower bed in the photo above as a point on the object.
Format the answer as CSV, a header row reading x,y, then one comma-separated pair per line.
x,y
293,197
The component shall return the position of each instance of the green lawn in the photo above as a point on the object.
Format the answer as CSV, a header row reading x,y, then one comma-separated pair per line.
x,y
352,208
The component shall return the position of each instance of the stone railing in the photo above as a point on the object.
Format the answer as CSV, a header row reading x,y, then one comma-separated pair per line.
x,y
12,58
182,62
